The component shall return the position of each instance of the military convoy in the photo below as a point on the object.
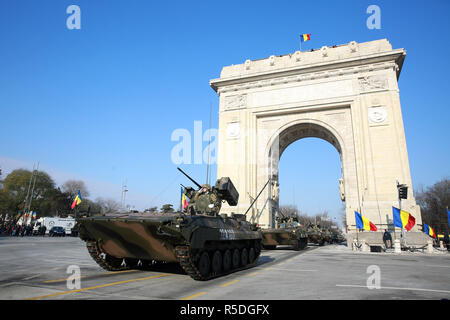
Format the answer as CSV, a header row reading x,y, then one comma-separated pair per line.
x,y
322,236
315,234
289,232
205,243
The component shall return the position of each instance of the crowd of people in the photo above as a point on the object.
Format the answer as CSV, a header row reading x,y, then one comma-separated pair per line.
x,y
10,228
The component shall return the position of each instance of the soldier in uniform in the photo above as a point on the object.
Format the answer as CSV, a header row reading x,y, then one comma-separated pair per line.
x,y
206,200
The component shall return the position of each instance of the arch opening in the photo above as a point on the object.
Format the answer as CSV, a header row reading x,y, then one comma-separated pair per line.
x,y
292,135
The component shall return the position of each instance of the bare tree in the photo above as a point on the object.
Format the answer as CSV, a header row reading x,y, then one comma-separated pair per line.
x,y
288,211
433,202
108,205
166,208
72,187
151,209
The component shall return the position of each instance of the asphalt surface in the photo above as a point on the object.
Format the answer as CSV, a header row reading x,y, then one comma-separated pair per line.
x,y
37,268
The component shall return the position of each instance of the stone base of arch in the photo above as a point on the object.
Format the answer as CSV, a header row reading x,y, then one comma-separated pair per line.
x,y
413,239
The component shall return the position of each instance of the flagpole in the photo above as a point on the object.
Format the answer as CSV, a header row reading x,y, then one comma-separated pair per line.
x,y
300,42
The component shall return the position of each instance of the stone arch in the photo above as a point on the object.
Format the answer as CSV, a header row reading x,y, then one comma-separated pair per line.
x,y
348,97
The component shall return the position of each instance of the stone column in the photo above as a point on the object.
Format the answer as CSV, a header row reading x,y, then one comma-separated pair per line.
x,y
397,247
365,246
430,246
354,245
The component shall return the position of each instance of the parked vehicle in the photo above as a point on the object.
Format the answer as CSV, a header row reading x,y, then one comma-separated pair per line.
x,y
66,223
57,232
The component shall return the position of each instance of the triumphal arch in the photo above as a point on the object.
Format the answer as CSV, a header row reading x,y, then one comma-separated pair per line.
x,y
347,95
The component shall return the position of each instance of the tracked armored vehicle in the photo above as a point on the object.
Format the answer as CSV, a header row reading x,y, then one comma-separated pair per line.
x,y
327,236
315,235
204,243
289,232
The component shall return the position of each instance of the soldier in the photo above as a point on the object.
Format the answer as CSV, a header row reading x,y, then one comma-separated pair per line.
x,y
206,200
387,239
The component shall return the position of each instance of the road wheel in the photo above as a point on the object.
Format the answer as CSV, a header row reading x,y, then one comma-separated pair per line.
x,y
236,258
144,264
131,263
303,243
204,264
251,255
113,261
227,260
244,256
217,262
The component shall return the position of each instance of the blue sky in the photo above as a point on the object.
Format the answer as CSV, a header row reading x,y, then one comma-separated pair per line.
x,y
100,103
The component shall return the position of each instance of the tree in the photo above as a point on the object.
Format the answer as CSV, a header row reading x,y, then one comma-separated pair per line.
x,y
344,217
433,202
72,187
166,208
59,203
18,184
288,211
6,204
107,205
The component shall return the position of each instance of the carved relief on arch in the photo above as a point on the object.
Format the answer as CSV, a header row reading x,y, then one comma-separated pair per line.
x,y
353,46
377,115
372,83
235,101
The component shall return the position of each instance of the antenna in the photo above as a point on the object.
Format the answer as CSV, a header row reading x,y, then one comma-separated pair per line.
x,y
187,176
257,197
29,197
124,191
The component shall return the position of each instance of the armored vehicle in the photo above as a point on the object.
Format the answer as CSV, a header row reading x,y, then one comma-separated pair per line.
x,y
289,232
315,234
338,237
204,243
327,236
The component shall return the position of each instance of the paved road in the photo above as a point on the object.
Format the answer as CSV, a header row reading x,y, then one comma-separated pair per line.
x,y
36,268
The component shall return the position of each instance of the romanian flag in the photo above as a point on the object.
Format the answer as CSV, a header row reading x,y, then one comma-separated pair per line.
x,y
305,37
429,230
403,219
34,215
364,223
184,202
77,200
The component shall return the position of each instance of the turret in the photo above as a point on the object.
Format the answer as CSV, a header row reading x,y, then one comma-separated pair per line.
x,y
208,200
